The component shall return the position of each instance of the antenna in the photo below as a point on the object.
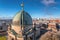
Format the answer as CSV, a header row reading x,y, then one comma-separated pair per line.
x,y
22,5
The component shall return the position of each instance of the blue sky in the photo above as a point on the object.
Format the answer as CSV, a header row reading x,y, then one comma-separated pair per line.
x,y
36,8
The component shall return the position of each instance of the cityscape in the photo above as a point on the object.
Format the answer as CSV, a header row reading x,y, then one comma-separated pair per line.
x,y
30,20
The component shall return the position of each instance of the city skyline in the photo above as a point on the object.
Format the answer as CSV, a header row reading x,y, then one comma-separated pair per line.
x,y
36,8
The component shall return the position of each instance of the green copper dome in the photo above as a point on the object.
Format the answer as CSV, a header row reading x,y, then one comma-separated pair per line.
x,y
22,17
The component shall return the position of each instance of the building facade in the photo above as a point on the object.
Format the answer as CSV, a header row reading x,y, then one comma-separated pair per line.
x,y
21,27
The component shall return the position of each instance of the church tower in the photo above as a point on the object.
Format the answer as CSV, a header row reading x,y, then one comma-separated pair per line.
x,y
21,27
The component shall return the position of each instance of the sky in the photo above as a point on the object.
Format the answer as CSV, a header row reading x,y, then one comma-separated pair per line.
x,y
36,8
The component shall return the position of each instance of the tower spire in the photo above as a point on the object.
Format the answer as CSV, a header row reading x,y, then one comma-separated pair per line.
x,y
22,5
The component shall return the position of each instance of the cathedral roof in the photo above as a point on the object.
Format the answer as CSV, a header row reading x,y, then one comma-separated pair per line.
x,y
22,17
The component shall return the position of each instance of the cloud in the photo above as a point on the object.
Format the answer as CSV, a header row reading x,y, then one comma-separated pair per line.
x,y
48,2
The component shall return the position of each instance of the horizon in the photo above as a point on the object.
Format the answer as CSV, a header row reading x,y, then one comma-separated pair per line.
x,y
32,17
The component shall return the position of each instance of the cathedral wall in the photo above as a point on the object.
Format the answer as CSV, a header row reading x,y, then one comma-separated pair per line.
x,y
17,29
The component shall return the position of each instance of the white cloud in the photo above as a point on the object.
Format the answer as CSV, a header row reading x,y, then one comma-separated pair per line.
x,y
48,2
